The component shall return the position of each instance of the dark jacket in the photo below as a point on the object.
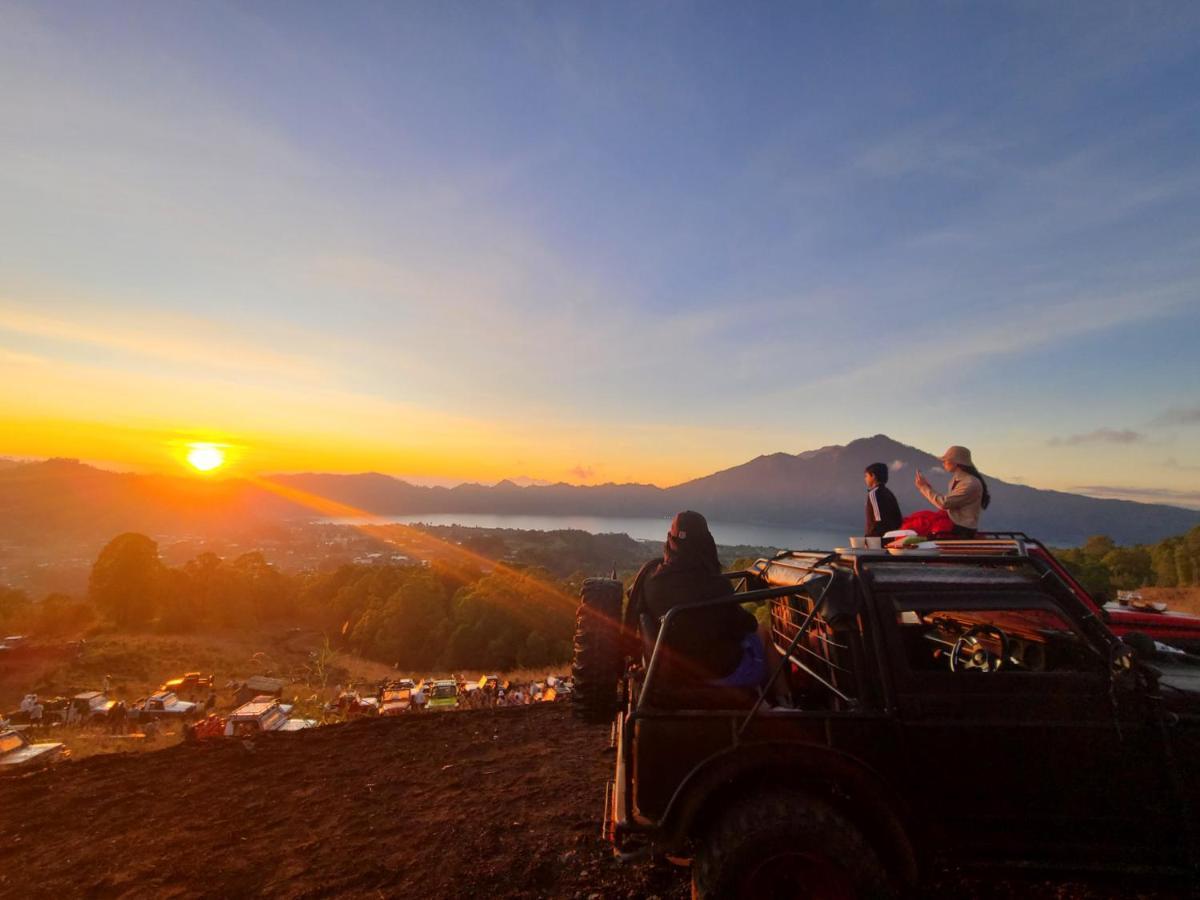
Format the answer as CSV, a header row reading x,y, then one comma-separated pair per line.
x,y
706,644
883,512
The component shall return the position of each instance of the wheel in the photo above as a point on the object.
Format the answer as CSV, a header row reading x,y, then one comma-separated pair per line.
x,y
598,649
786,844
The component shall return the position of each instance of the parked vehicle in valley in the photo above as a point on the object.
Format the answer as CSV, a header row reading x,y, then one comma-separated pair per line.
x,y
352,705
960,705
17,754
395,698
263,714
257,686
90,706
163,705
191,683
443,695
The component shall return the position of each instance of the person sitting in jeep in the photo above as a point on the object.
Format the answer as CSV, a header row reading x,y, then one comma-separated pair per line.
x,y
715,644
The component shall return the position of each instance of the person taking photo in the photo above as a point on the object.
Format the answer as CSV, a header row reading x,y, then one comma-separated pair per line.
x,y
967,495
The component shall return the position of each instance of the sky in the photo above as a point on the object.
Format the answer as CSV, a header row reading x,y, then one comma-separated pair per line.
x,y
603,242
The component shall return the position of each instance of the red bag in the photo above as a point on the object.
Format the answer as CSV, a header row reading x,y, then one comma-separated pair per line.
x,y
929,522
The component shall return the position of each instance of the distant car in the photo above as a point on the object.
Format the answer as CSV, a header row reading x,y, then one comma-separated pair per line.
x,y
189,683
444,695
257,686
352,704
395,699
263,714
563,686
90,706
163,705
18,755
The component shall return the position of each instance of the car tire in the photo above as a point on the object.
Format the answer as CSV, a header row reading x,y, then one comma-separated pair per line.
x,y
787,844
598,656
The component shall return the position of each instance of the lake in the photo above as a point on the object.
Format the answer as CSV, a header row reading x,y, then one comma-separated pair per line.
x,y
642,528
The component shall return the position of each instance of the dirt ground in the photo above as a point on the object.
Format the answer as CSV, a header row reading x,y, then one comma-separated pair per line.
x,y
491,803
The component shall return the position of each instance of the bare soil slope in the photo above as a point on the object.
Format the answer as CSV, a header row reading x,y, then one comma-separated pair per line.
x,y
490,803
502,803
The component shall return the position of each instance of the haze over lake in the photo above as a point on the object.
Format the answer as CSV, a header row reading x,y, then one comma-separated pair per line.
x,y
642,528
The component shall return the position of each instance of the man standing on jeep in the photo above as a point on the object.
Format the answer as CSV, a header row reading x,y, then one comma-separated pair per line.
x,y
883,511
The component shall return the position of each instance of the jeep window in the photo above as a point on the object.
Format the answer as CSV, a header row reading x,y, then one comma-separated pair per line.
x,y
996,634
822,662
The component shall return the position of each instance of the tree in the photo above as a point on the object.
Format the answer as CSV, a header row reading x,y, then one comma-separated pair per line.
x,y
1130,567
1166,572
60,614
1098,546
14,605
1090,572
126,579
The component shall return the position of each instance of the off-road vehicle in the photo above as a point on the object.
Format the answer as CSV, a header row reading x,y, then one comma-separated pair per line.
x,y
960,706
18,755
190,683
263,714
163,705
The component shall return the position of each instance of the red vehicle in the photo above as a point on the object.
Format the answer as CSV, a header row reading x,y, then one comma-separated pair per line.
x,y
1180,630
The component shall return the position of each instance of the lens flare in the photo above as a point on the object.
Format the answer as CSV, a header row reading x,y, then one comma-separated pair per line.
x,y
205,457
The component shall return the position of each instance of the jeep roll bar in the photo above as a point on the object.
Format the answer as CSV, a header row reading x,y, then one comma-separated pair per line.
x,y
757,596
675,612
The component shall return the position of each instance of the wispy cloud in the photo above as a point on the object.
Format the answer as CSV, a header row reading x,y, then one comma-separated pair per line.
x,y
965,342
1178,415
1099,436
1190,499
205,345
1172,463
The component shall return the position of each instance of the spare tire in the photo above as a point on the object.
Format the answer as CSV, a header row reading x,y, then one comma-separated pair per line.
x,y
599,655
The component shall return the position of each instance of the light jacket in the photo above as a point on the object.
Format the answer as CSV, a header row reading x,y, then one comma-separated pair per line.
x,y
963,502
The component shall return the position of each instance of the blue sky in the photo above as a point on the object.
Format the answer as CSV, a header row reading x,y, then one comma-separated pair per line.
x,y
617,241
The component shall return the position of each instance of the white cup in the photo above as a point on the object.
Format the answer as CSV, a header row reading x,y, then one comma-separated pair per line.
x,y
857,543
873,543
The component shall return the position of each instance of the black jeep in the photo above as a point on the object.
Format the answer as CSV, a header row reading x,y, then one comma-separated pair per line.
x,y
958,707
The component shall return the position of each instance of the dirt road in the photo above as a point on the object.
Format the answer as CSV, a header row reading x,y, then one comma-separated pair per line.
x,y
491,803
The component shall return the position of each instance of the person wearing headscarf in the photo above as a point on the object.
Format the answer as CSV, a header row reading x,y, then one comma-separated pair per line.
x,y
883,512
707,644
967,495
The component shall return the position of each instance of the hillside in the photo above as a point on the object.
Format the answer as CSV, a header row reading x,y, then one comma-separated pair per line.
x,y
491,803
61,499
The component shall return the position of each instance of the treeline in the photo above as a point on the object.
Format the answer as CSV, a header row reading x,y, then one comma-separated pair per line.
x,y
442,615
1104,568
55,615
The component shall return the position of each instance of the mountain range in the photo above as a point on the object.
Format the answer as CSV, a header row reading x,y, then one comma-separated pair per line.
x,y
818,489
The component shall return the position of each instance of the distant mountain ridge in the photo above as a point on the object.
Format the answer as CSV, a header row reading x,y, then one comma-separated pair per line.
x,y
820,488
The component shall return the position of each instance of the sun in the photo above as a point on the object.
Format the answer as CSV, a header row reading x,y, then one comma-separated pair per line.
x,y
205,457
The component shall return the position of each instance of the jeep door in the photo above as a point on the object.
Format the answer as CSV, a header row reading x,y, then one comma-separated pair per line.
x,y
1025,748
